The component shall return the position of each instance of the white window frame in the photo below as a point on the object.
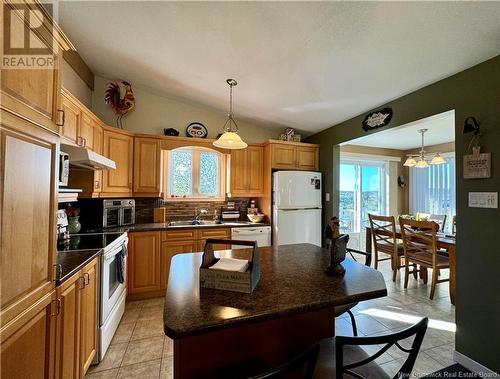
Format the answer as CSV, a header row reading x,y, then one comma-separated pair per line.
x,y
196,196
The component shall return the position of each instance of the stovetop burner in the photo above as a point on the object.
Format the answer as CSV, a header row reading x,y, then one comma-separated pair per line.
x,y
89,241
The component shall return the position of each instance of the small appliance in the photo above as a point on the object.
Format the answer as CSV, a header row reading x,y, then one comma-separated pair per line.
x,y
63,168
259,234
118,212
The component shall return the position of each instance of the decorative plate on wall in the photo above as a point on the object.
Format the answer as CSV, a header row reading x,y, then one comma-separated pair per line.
x,y
196,129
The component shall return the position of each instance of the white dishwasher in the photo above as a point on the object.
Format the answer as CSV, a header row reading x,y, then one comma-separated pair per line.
x,y
261,234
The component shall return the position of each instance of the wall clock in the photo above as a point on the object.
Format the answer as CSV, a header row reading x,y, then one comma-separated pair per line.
x,y
197,130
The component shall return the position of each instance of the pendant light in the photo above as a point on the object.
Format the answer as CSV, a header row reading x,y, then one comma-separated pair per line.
x,y
420,160
230,138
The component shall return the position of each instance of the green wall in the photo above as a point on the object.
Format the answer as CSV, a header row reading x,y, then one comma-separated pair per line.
x,y
473,92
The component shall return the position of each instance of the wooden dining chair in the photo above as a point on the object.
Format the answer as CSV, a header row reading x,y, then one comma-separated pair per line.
x,y
420,248
438,219
385,241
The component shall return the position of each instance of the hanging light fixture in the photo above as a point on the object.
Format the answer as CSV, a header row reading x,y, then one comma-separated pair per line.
x,y
420,160
230,138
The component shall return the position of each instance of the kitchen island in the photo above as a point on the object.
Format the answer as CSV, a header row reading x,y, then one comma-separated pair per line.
x,y
291,308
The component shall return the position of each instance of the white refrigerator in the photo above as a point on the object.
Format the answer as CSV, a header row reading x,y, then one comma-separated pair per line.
x,y
296,207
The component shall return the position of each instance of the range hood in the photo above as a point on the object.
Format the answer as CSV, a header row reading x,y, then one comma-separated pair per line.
x,y
81,157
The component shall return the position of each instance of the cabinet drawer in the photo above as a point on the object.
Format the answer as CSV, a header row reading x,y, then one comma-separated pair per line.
x,y
214,233
176,235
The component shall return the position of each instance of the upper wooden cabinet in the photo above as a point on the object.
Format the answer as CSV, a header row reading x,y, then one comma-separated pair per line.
x,y
247,171
119,147
34,93
294,155
71,118
28,186
147,167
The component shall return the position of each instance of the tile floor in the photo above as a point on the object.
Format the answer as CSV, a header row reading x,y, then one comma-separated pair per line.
x,y
140,349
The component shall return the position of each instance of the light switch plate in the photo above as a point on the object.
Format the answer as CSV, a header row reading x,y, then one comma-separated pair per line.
x,y
483,199
327,196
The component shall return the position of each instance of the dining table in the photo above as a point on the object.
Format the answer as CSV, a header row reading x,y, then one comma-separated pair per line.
x,y
443,241
292,307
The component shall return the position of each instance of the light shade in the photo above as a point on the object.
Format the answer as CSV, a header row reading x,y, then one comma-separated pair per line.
x,y
410,162
230,140
438,159
422,163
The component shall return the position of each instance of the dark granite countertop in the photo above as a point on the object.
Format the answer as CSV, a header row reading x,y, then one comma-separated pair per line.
x,y
165,226
72,261
292,281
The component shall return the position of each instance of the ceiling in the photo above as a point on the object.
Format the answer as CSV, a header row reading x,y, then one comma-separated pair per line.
x,y
308,65
441,129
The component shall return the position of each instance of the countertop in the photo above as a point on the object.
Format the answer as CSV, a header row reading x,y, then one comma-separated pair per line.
x,y
292,281
165,226
72,261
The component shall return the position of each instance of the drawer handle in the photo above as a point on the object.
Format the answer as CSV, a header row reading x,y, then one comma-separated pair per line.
x,y
87,278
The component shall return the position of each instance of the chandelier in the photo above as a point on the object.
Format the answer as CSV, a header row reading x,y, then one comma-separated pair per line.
x,y
421,160
230,138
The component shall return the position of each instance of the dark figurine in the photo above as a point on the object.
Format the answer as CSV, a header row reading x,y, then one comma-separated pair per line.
x,y
338,250
171,132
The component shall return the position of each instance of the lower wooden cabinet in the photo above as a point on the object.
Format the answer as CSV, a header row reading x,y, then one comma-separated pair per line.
x,y
144,262
168,250
77,322
28,341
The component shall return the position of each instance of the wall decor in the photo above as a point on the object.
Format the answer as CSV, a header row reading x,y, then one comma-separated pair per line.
x,y
289,134
297,138
477,165
197,130
120,97
377,119
171,132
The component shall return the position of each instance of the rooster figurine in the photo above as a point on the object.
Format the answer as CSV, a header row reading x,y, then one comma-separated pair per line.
x,y
120,96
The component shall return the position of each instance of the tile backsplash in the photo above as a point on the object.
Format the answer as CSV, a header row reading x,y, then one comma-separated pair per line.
x,y
182,210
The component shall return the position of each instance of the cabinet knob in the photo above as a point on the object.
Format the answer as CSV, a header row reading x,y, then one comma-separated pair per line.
x,y
97,184
87,278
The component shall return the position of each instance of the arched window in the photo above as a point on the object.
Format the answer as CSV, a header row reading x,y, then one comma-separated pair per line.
x,y
195,173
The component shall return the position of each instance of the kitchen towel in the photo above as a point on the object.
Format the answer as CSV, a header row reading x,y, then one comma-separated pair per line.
x,y
231,264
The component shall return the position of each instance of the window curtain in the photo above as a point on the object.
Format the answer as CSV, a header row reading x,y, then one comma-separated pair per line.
x,y
433,190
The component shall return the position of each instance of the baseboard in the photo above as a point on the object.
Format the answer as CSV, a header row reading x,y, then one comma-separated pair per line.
x,y
472,365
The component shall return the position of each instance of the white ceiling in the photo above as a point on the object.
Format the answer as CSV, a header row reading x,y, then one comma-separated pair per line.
x,y
308,65
441,129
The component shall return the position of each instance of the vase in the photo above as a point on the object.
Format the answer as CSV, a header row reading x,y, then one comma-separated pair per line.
x,y
74,225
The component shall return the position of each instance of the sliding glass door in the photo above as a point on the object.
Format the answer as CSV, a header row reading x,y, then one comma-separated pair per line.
x,y
363,190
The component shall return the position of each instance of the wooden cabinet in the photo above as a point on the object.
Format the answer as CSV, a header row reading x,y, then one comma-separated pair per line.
x,y
119,147
68,328
217,233
294,155
247,171
89,304
144,262
34,93
86,131
28,187
77,322
147,167
71,118
168,250
98,138
28,342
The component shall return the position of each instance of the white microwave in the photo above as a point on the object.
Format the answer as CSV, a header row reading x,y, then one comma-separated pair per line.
x,y
63,168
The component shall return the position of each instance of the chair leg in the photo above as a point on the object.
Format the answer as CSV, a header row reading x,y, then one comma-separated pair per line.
x,y
376,260
425,275
415,271
353,322
394,273
434,282
407,274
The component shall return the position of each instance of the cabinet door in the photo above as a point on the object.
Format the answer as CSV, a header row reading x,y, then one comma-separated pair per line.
x,y
28,187
239,172
34,92
72,115
144,262
68,329
28,344
88,324
98,138
168,250
147,166
307,158
86,131
283,156
255,171
118,147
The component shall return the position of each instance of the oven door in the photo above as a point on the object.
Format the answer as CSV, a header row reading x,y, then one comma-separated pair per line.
x,y
127,216
111,217
111,288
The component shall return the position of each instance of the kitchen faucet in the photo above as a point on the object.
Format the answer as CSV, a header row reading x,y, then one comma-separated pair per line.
x,y
198,213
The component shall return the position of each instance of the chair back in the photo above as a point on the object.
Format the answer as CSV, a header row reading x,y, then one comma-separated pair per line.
x,y
384,234
440,220
419,240
301,367
418,331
